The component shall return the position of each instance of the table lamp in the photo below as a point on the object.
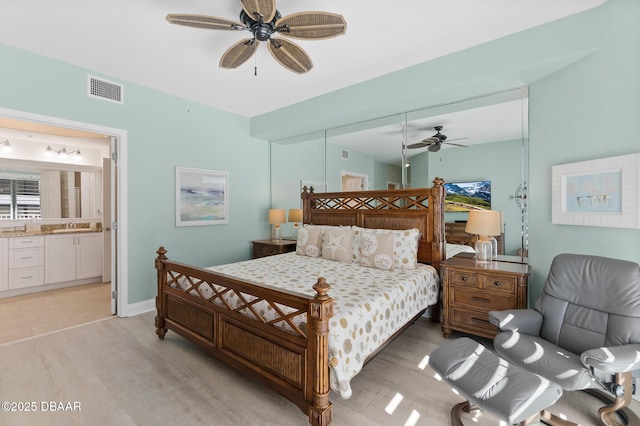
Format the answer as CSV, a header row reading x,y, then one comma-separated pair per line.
x,y
485,224
276,218
295,216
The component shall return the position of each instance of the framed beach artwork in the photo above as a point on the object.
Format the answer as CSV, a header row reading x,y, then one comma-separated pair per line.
x,y
602,192
202,197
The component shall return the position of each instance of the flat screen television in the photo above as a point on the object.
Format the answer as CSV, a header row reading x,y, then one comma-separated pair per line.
x,y
465,196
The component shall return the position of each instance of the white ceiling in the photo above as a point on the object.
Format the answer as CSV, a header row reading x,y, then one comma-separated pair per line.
x,y
131,40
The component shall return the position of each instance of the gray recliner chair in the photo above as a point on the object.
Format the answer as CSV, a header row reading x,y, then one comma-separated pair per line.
x,y
583,333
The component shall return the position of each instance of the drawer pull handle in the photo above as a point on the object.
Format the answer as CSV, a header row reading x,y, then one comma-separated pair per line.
x,y
480,320
26,257
26,278
497,283
464,278
480,299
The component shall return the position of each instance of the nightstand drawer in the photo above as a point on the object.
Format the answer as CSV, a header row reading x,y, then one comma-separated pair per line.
x,y
260,250
264,248
475,319
469,279
484,300
499,283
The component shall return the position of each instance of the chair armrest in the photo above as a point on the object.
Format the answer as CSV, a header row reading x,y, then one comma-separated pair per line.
x,y
613,359
525,321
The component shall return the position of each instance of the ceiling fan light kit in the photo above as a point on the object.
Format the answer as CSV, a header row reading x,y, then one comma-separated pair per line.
x,y
263,20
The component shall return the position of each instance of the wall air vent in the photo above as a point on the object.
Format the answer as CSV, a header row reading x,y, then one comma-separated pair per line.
x,y
104,89
345,154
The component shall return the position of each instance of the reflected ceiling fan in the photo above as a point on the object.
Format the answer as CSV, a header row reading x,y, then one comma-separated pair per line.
x,y
261,18
434,143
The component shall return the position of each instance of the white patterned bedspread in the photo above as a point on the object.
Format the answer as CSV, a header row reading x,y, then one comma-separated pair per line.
x,y
370,305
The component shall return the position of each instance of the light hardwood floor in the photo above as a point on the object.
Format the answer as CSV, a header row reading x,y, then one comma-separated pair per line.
x,y
122,374
34,314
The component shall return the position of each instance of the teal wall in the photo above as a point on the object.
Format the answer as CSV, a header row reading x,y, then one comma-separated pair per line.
x,y
163,132
587,111
384,173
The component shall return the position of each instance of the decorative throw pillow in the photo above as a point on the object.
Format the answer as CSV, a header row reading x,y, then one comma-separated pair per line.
x,y
337,243
308,243
405,252
376,250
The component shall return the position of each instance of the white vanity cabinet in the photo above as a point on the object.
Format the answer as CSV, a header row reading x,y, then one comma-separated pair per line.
x,y
26,262
72,257
89,255
4,268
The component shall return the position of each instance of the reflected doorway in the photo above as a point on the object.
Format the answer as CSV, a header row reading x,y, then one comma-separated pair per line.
x,y
354,181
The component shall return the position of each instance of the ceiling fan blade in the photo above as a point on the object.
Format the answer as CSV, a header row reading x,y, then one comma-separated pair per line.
x,y
312,25
290,55
265,8
455,139
432,139
434,148
417,145
456,144
238,54
204,21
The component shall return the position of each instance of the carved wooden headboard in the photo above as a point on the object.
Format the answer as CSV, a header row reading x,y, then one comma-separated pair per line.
x,y
421,208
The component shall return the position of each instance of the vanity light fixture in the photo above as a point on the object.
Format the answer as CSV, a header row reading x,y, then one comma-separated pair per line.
x,y
6,146
63,153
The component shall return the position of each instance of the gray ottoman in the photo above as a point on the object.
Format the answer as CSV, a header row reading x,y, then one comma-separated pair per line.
x,y
490,383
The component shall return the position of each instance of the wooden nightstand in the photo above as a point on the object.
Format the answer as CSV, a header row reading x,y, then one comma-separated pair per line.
x,y
262,248
471,290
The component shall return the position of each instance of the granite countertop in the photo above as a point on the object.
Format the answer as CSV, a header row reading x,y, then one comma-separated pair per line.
x,y
49,231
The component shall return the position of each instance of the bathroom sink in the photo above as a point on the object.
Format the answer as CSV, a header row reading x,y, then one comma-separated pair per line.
x,y
72,230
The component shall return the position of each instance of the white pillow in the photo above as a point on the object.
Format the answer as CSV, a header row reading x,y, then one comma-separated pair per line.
x,y
309,241
337,243
376,250
405,246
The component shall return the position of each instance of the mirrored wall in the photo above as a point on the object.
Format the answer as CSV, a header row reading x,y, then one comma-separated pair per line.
x,y
480,141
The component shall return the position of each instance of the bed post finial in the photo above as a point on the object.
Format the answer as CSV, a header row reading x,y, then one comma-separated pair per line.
x,y
161,330
321,410
438,181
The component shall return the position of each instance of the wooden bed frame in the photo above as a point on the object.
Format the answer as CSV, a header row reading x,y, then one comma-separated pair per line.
x,y
293,362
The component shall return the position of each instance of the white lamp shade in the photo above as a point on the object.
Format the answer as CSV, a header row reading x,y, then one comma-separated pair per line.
x,y
484,222
295,215
277,216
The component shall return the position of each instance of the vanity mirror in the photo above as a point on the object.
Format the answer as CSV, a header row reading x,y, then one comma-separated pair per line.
x,y
43,193
486,139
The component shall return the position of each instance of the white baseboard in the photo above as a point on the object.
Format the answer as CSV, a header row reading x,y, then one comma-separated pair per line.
x,y
138,308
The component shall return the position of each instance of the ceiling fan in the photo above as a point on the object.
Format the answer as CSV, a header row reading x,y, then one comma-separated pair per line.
x,y
261,18
434,143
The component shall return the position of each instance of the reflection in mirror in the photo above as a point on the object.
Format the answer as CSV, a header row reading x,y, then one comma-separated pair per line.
x,y
296,162
486,140
49,194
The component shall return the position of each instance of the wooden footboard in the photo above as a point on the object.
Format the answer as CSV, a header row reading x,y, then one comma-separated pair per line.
x,y
290,359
